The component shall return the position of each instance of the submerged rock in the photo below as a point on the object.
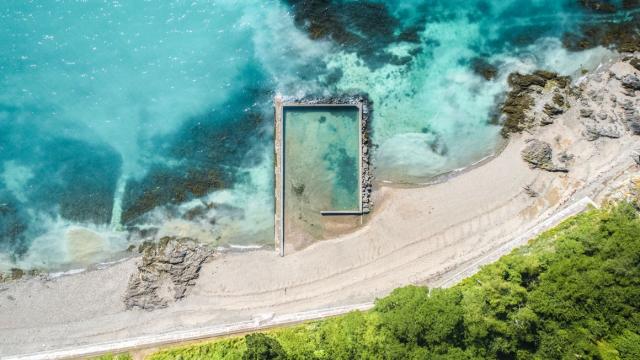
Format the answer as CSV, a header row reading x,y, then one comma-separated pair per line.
x,y
540,155
483,68
167,270
598,6
622,35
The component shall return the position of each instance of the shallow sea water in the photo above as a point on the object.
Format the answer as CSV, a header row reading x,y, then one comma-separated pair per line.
x,y
122,121
321,164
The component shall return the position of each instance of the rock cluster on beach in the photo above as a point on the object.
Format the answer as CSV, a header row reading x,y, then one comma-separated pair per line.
x,y
166,272
608,115
603,103
520,100
540,155
367,112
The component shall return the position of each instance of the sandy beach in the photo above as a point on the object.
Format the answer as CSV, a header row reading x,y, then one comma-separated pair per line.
x,y
422,235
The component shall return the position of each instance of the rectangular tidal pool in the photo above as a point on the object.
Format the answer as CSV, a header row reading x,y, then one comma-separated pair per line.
x,y
321,168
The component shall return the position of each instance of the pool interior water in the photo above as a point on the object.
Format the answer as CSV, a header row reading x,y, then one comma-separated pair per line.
x,y
321,164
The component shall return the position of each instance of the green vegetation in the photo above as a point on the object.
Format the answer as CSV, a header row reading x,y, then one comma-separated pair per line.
x,y
572,293
113,357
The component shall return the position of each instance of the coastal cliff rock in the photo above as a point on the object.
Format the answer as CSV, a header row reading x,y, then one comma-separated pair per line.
x,y
540,155
166,272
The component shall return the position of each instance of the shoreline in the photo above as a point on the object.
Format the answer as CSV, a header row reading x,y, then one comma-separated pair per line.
x,y
415,236
270,321
448,175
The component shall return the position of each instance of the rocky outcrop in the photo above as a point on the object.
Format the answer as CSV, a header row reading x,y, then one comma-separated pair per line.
x,y
631,116
539,155
631,82
596,131
167,271
520,100
586,112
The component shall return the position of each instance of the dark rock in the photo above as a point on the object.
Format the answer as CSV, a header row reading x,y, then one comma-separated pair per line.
x,y
529,191
17,273
631,117
622,35
524,81
565,157
586,112
635,62
552,110
363,27
558,99
483,68
546,120
594,132
602,115
170,266
540,155
599,6
198,212
631,82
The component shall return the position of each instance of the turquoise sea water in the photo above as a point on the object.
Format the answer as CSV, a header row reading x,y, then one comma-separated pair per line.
x,y
129,120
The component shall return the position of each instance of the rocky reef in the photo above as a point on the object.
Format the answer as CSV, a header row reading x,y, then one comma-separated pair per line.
x,y
621,31
166,272
364,27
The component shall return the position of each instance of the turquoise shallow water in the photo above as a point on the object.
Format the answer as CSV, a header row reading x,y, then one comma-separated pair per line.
x,y
125,121
321,167
321,158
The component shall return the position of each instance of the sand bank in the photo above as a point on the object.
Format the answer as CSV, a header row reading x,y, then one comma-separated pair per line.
x,y
423,235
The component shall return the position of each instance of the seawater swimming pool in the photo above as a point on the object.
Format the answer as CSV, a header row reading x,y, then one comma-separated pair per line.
x,y
320,153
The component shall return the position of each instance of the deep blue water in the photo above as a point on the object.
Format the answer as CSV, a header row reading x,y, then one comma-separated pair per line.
x,y
127,120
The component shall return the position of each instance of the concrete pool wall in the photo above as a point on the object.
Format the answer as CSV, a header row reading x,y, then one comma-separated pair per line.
x,y
341,218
